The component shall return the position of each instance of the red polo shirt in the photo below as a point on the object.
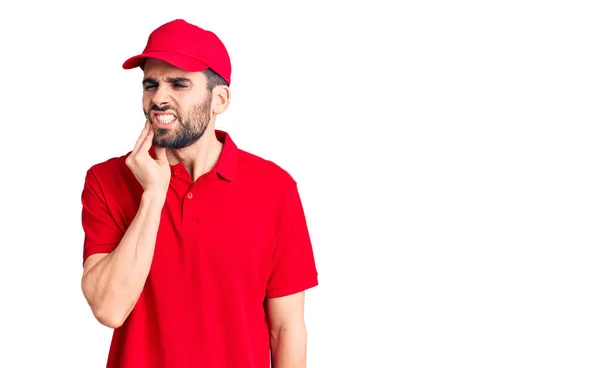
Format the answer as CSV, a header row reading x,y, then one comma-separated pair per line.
x,y
226,242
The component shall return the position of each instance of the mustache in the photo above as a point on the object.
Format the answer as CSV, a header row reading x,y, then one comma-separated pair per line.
x,y
161,109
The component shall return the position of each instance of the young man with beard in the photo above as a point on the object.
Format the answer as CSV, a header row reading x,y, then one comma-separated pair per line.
x,y
196,252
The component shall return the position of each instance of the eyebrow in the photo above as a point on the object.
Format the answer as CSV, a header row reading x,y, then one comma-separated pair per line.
x,y
170,80
179,80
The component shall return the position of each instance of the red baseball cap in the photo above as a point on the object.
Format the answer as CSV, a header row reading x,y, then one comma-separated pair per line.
x,y
186,47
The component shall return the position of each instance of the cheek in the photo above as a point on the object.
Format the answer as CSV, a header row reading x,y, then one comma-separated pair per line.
x,y
146,101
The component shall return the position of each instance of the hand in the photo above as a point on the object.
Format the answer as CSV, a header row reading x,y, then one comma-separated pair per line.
x,y
153,175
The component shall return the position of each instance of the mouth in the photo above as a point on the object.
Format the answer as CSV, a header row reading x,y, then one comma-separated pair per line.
x,y
163,120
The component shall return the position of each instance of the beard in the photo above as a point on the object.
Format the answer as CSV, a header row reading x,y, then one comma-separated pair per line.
x,y
191,125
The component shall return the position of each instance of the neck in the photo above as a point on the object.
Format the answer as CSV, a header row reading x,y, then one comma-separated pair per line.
x,y
200,157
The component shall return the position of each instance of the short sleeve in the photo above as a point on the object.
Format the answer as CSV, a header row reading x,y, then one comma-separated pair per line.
x,y
101,233
293,266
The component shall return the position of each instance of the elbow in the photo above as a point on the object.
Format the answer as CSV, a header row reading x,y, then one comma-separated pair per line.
x,y
109,318
105,311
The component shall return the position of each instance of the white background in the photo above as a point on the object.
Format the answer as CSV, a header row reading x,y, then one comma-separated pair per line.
x,y
446,153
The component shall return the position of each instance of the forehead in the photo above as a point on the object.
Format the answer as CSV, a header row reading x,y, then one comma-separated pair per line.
x,y
158,69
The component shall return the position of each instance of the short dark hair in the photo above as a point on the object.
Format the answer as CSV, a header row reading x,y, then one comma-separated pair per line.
x,y
213,79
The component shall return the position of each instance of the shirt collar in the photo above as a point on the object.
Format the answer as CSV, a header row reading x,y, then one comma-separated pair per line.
x,y
227,161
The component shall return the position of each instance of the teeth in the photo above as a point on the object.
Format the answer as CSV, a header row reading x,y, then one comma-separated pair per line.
x,y
165,119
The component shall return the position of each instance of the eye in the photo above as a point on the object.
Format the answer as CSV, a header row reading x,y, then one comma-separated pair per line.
x,y
179,85
149,87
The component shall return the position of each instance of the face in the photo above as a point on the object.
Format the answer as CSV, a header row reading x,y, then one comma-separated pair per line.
x,y
176,102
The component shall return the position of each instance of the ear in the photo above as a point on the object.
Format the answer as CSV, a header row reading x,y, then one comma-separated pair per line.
x,y
220,97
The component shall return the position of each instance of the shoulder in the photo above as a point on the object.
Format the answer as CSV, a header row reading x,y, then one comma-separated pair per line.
x,y
110,169
252,166
269,183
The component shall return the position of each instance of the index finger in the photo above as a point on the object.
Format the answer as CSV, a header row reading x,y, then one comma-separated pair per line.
x,y
142,136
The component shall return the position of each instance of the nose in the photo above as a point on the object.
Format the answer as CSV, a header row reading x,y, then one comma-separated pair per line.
x,y
161,95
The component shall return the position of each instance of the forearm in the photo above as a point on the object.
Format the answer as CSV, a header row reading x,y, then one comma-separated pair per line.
x,y
113,286
288,346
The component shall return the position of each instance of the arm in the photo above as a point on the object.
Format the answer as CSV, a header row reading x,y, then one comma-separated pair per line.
x,y
293,271
113,282
287,331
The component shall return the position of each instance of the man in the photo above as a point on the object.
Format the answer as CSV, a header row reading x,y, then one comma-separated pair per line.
x,y
196,252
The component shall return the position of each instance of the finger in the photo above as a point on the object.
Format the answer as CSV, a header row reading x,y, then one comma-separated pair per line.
x,y
142,136
161,154
147,142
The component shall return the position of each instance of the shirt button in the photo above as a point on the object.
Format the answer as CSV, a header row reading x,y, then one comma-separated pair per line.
x,y
190,195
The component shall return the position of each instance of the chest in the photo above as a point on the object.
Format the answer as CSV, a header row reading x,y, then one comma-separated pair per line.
x,y
217,236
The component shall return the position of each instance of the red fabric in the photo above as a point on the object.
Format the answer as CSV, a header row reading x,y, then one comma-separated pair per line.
x,y
225,243
187,47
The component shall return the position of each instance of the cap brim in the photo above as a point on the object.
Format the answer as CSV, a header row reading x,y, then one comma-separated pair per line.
x,y
178,60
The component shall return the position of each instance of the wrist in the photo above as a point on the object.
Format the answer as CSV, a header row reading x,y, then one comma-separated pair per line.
x,y
154,196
